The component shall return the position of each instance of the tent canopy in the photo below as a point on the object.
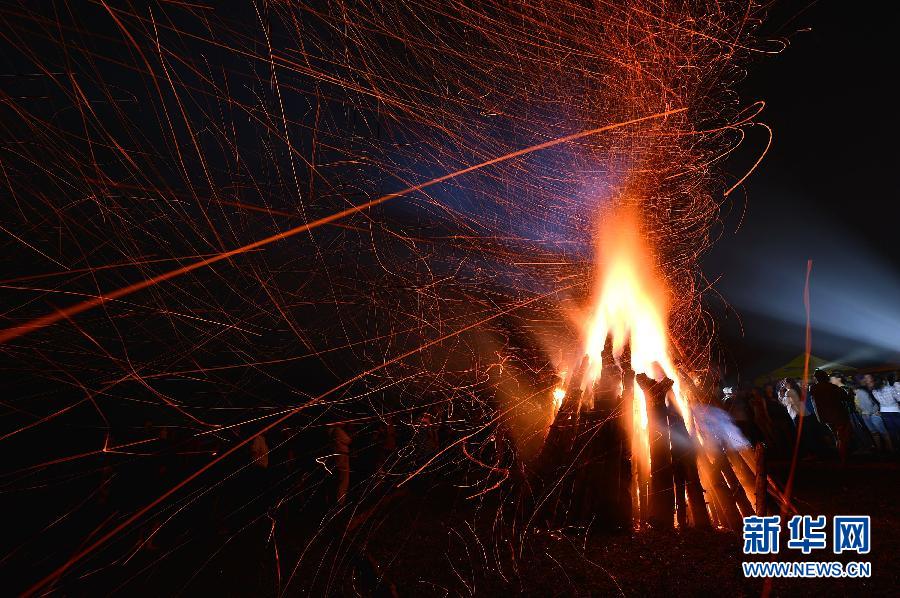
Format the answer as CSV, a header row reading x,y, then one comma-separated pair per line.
x,y
794,369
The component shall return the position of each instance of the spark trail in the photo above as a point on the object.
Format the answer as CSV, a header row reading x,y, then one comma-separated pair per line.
x,y
16,331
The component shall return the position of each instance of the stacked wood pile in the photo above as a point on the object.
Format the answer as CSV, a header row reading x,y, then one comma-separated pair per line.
x,y
586,473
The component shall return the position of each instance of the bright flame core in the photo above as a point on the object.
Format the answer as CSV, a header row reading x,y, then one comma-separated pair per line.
x,y
630,302
558,395
631,299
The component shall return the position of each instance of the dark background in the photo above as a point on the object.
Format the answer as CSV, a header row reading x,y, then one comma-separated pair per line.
x,y
826,191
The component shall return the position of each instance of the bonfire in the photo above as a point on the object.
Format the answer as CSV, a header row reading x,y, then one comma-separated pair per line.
x,y
633,441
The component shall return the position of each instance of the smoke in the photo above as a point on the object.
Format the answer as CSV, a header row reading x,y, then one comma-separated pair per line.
x,y
715,420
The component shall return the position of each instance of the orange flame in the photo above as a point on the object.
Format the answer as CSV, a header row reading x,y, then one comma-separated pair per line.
x,y
631,303
558,395
630,298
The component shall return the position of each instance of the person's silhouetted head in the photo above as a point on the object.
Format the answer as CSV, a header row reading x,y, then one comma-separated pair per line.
x,y
869,381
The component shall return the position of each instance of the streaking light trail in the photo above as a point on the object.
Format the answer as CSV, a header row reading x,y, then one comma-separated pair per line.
x,y
17,331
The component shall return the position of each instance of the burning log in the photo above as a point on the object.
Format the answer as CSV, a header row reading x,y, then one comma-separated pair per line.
x,y
561,436
762,479
661,495
586,458
680,500
741,465
723,500
687,478
587,466
738,494
554,461
603,488
640,475
730,480
680,455
761,486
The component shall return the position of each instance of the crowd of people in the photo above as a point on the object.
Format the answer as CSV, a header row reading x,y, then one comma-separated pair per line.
x,y
838,415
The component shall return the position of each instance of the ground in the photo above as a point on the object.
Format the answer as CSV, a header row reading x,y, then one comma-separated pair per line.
x,y
439,555
432,540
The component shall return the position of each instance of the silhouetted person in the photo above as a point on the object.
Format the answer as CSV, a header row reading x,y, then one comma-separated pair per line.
x,y
792,400
862,438
782,426
761,416
871,415
828,401
886,395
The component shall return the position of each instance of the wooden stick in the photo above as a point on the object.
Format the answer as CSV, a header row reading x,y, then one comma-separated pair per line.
x,y
738,493
761,489
728,511
687,478
561,436
662,494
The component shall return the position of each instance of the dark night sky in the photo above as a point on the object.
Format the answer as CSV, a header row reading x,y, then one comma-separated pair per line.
x,y
826,192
